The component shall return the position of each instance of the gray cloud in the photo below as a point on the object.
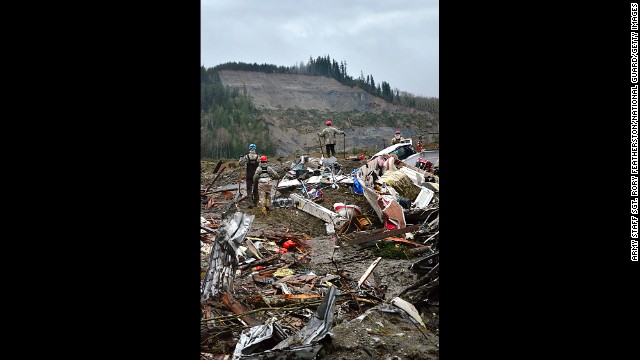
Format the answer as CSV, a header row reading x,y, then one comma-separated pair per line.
x,y
395,41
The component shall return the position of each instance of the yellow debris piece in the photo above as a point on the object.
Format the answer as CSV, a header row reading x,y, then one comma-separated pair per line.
x,y
283,272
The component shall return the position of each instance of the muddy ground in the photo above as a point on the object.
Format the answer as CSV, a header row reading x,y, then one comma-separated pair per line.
x,y
360,329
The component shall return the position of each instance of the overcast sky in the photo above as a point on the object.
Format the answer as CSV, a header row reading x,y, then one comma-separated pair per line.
x,y
395,41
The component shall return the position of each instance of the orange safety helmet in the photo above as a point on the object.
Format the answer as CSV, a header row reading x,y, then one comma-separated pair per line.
x,y
263,158
328,123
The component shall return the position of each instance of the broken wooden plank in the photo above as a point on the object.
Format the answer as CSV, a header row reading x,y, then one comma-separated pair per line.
x,y
404,241
381,235
365,300
214,179
208,229
215,170
366,274
259,262
300,296
256,238
238,309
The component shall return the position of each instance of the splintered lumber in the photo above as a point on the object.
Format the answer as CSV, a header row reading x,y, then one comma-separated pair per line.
x,y
237,308
300,296
214,179
208,229
404,241
359,239
366,274
259,262
215,170
365,300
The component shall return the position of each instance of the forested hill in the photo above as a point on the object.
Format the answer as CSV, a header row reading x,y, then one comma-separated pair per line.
x,y
282,109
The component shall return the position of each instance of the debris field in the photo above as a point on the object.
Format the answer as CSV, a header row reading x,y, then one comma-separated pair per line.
x,y
315,271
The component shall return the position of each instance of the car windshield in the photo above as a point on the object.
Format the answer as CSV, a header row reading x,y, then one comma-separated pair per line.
x,y
403,152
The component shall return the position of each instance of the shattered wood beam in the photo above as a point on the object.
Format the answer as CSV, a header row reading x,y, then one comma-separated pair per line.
x,y
215,170
377,236
316,210
404,241
208,229
238,309
300,296
366,274
256,238
259,262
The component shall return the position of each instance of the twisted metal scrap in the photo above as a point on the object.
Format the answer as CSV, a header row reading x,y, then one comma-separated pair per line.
x,y
223,260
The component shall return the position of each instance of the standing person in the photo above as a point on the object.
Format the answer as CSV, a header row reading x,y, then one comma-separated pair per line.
x,y
263,171
252,161
397,139
329,134
419,144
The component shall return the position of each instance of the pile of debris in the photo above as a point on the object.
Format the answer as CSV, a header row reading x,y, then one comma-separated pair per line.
x,y
306,277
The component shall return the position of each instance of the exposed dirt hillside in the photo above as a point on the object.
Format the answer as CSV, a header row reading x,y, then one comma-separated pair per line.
x,y
271,91
296,107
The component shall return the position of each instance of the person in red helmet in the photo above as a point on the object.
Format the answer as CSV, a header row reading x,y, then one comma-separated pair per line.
x,y
329,134
397,139
263,171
